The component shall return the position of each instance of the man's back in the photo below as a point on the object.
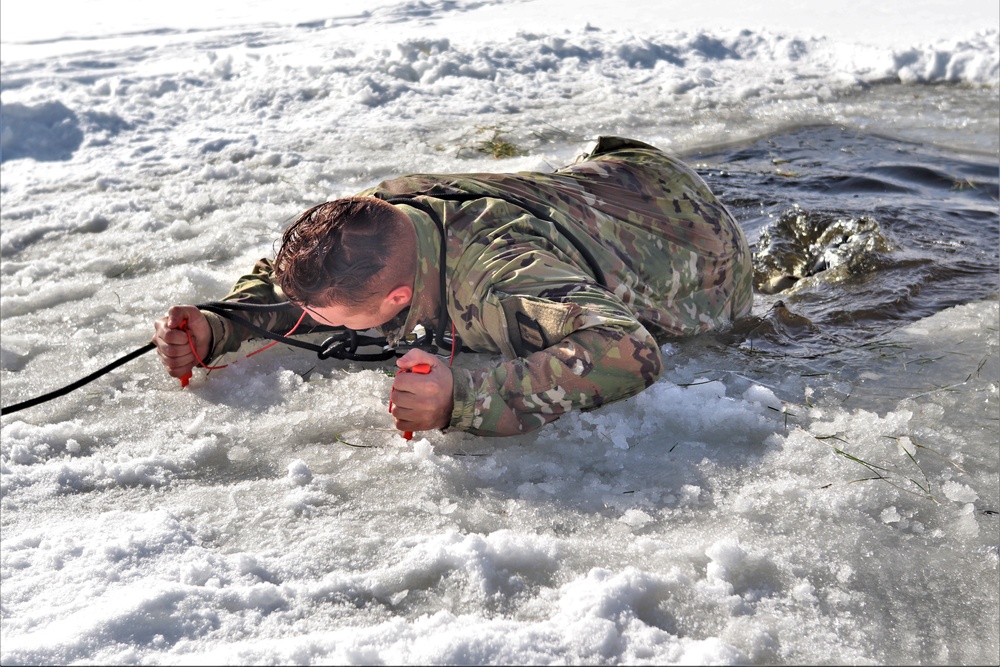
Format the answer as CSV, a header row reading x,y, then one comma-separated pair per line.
x,y
628,218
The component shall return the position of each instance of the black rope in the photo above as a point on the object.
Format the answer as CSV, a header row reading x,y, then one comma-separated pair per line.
x,y
10,409
220,309
342,345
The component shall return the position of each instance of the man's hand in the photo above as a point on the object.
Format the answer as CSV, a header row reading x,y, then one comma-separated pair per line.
x,y
172,342
422,402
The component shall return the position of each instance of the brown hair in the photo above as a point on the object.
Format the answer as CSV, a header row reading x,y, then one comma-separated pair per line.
x,y
345,252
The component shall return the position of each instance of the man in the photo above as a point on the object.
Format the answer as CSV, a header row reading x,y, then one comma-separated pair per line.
x,y
575,277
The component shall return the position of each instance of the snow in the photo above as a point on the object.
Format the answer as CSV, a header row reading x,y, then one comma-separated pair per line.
x,y
152,154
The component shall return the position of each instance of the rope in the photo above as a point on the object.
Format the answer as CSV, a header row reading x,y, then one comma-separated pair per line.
x,y
342,345
332,347
266,347
10,409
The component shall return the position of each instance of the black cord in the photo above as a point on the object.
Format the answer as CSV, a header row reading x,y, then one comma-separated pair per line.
x,y
442,317
10,409
342,345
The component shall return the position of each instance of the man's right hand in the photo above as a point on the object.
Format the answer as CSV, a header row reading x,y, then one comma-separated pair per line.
x,y
172,341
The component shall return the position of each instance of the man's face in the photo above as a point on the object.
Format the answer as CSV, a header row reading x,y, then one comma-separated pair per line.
x,y
357,318
373,314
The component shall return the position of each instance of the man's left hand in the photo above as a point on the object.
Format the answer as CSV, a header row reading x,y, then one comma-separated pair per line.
x,y
422,402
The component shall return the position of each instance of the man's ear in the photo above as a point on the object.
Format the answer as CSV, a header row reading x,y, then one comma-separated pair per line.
x,y
400,297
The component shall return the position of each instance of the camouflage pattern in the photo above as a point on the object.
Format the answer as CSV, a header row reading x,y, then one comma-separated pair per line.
x,y
674,260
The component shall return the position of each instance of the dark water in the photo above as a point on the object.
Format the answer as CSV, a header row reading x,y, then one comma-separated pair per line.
x,y
857,233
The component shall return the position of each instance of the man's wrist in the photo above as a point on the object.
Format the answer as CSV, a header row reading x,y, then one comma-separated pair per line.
x,y
221,331
463,409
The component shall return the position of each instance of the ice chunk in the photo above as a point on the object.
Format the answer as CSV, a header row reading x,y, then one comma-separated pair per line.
x,y
890,515
635,518
423,449
958,492
299,473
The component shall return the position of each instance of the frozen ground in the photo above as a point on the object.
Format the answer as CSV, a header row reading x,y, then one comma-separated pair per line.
x,y
150,158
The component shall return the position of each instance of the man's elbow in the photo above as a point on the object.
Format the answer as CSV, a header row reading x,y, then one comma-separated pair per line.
x,y
646,359
633,364
650,360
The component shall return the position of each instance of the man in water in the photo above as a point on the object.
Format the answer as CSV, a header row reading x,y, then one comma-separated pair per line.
x,y
575,277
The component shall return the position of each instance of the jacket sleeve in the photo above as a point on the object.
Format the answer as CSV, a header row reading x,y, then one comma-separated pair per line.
x,y
569,345
258,286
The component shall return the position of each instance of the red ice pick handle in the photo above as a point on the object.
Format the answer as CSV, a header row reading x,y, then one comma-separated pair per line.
x,y
186,378
423,369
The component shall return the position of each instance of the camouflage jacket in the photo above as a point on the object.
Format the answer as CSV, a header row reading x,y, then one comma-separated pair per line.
x,y
575,277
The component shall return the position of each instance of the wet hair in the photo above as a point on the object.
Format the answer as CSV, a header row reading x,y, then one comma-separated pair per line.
x,y
346,252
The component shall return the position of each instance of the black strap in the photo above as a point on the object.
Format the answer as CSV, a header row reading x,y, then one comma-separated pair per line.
x,y
442,262
592,263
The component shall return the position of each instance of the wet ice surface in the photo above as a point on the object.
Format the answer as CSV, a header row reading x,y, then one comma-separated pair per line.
x,y
787,493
